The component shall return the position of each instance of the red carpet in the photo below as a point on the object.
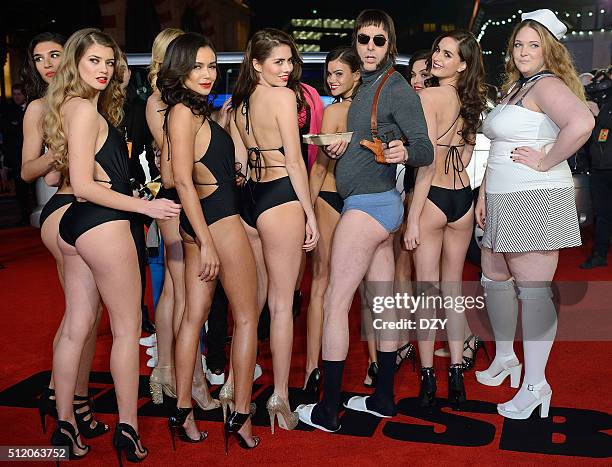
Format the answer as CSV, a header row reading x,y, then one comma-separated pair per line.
x,y
579,430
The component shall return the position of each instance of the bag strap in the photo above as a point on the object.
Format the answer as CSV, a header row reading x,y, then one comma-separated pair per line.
x,y
374,114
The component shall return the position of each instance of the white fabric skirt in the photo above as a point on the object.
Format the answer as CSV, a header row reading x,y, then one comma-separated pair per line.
x,y
534,220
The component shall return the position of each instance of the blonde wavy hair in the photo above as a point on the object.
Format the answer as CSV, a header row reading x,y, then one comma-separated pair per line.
x,y
67,84
556,59
160,44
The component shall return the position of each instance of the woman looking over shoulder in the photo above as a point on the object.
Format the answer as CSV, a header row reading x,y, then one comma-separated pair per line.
x,y
440,220
526,203
83,103
215,243
169,310
277,210
44,56
342,80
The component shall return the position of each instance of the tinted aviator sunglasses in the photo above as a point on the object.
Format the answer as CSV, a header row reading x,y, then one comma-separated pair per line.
x,y
379,40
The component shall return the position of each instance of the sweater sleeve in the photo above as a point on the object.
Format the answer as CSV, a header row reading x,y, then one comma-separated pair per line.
x,y
408,115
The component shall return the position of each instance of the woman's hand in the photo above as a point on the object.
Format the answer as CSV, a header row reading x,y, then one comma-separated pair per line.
x,y
412,237
53,178
480,212
335,150
161,209
240,177
223,115
209,261
312,234
530,157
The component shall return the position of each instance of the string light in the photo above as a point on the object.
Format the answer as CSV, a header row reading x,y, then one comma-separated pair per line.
x,y
503,22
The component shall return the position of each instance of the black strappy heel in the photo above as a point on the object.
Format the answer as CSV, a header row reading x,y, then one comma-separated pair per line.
x,y
469,362
232,427
66,435
46,406
126,439
175,425
84,419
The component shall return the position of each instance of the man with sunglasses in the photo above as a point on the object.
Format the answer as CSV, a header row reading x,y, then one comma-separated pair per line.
x,y
373,211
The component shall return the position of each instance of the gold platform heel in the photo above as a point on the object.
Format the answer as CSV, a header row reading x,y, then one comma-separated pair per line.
x,y
158,386
280,410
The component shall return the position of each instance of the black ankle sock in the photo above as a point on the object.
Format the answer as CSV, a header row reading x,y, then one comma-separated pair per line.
x,y
326,411
382,399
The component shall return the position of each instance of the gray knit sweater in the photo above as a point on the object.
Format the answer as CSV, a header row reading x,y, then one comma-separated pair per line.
x,y
399,113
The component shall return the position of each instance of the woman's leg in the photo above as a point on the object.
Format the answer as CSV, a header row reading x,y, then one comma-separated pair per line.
x,y
534,272
110,252
175,263
262,275
282,231
239,279
186,352
327,219
502,309
455,243
427,262
49,236
82,303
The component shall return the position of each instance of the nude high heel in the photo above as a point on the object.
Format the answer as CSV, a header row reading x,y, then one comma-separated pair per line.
x,y
279,409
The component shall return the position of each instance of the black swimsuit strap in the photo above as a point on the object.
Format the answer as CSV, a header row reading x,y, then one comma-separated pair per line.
x,y
453,158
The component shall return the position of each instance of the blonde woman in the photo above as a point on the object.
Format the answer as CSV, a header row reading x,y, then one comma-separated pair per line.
x,y
526,203
84,102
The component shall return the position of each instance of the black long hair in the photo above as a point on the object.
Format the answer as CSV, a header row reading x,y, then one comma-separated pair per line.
x,y
178,63
35,86
259,48
471,83
346,55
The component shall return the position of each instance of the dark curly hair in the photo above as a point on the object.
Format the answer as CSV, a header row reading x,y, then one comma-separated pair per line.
x,y
471,83
178,62
35,86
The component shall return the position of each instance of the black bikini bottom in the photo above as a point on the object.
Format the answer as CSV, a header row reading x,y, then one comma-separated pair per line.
x,y
168,193
83,216
56,201
333,199
453,203
257,197
219,205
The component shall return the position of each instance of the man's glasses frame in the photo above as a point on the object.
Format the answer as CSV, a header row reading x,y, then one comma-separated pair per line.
x,y
379,39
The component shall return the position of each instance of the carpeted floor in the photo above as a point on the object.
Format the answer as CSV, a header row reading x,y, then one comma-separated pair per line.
x,y
578,431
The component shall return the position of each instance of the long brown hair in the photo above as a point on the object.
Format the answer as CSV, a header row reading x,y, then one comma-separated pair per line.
x,y
259,48
471,83
67,84
557,59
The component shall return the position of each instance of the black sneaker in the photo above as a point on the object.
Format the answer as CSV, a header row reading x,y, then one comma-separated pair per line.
x,y
594,261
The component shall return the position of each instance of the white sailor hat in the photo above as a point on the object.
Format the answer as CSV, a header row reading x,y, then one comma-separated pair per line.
x,y
547,19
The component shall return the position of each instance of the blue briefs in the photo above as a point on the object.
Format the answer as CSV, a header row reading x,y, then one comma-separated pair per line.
x,y
386,207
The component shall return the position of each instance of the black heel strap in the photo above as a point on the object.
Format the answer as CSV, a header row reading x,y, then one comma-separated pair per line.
x,y
135,437
74,435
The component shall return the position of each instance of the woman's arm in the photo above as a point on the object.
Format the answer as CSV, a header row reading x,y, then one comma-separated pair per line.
x,y
82,125
425,174
33,164
318,172
287,120
569,113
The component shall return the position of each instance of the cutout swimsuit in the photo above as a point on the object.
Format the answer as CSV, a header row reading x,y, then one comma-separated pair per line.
x,y
219,161
82,216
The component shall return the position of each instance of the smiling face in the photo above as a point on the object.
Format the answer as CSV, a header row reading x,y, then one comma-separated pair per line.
x,y
276,69
445,59
204,72
97,66
419,74
527,52
47,56
370,54
340,79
